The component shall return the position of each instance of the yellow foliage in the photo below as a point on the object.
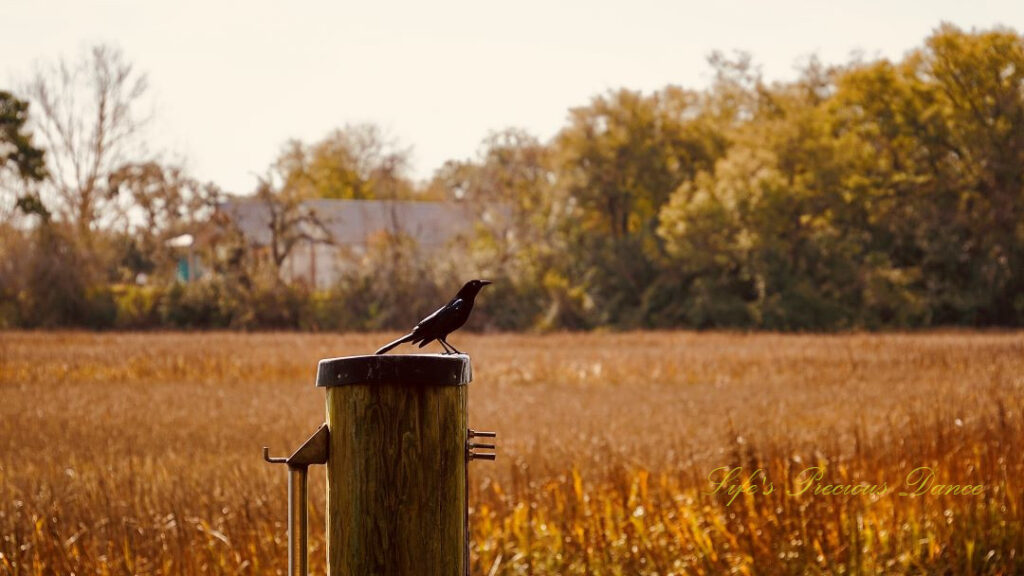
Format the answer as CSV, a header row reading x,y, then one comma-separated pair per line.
x,y
124,453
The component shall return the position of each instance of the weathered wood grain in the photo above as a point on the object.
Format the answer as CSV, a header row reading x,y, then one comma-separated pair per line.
x,y
396,472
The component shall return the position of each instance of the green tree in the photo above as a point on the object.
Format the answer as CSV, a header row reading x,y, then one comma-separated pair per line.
x,y
17,152
21,163
620,159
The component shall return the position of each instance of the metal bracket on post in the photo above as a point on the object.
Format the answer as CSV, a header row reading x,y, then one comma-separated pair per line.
x,y
470,446
470,456
312,451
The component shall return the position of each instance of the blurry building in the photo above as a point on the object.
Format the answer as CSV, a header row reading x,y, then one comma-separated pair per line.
x,y
351,226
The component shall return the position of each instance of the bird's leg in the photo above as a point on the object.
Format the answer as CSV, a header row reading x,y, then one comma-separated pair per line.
x,y
445,342
444,345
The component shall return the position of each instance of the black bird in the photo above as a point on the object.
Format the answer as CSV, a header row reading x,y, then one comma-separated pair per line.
x,y
444,321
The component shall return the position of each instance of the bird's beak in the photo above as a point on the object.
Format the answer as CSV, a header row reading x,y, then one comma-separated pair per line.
x,y
485,282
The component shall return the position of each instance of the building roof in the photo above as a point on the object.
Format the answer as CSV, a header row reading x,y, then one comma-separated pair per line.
x,y
353,221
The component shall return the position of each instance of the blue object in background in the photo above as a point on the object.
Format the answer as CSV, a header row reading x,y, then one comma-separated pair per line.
x,y
183,270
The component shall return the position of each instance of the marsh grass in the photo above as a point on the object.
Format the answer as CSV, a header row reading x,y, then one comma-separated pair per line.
x,y
140,454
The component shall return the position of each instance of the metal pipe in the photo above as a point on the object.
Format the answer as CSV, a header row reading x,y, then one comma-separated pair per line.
x,y
313,451
298,522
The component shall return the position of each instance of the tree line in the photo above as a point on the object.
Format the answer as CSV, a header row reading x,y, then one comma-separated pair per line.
x,y
867,195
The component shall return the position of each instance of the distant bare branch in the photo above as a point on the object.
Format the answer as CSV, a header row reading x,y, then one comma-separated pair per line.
x,y
89,120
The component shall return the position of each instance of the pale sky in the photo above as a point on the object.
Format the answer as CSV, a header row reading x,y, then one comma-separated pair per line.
x,y
232,81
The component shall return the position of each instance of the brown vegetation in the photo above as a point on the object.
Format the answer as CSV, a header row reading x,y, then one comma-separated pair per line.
x,y
141,453
865,195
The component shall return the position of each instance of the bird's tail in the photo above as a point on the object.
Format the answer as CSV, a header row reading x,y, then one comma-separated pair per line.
x,y
391,345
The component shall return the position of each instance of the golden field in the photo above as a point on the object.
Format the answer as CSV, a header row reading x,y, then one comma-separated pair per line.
x,y
140,454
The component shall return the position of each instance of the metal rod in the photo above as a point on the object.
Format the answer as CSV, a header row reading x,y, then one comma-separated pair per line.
x,y
266,456
471,455
298,522
312,451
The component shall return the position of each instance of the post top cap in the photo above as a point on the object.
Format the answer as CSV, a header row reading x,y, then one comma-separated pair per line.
x,y
407,369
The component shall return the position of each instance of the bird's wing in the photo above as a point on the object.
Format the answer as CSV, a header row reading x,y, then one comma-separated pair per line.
x,y
452,306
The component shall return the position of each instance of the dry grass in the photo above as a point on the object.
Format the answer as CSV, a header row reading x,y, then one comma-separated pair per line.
x,y
140,453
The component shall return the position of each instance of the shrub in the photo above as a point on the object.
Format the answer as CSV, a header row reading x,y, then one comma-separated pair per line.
x,y
137,306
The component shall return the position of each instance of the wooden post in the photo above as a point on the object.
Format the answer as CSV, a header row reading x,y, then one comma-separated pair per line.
x,y
396,483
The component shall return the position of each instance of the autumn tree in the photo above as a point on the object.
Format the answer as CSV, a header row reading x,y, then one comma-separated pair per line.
x,y
945,131
357,162
289,220
869,195
974,129
85,114
166,202
620,159
508,190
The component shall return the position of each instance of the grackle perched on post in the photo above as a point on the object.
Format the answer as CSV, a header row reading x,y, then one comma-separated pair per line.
x,y
444,321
